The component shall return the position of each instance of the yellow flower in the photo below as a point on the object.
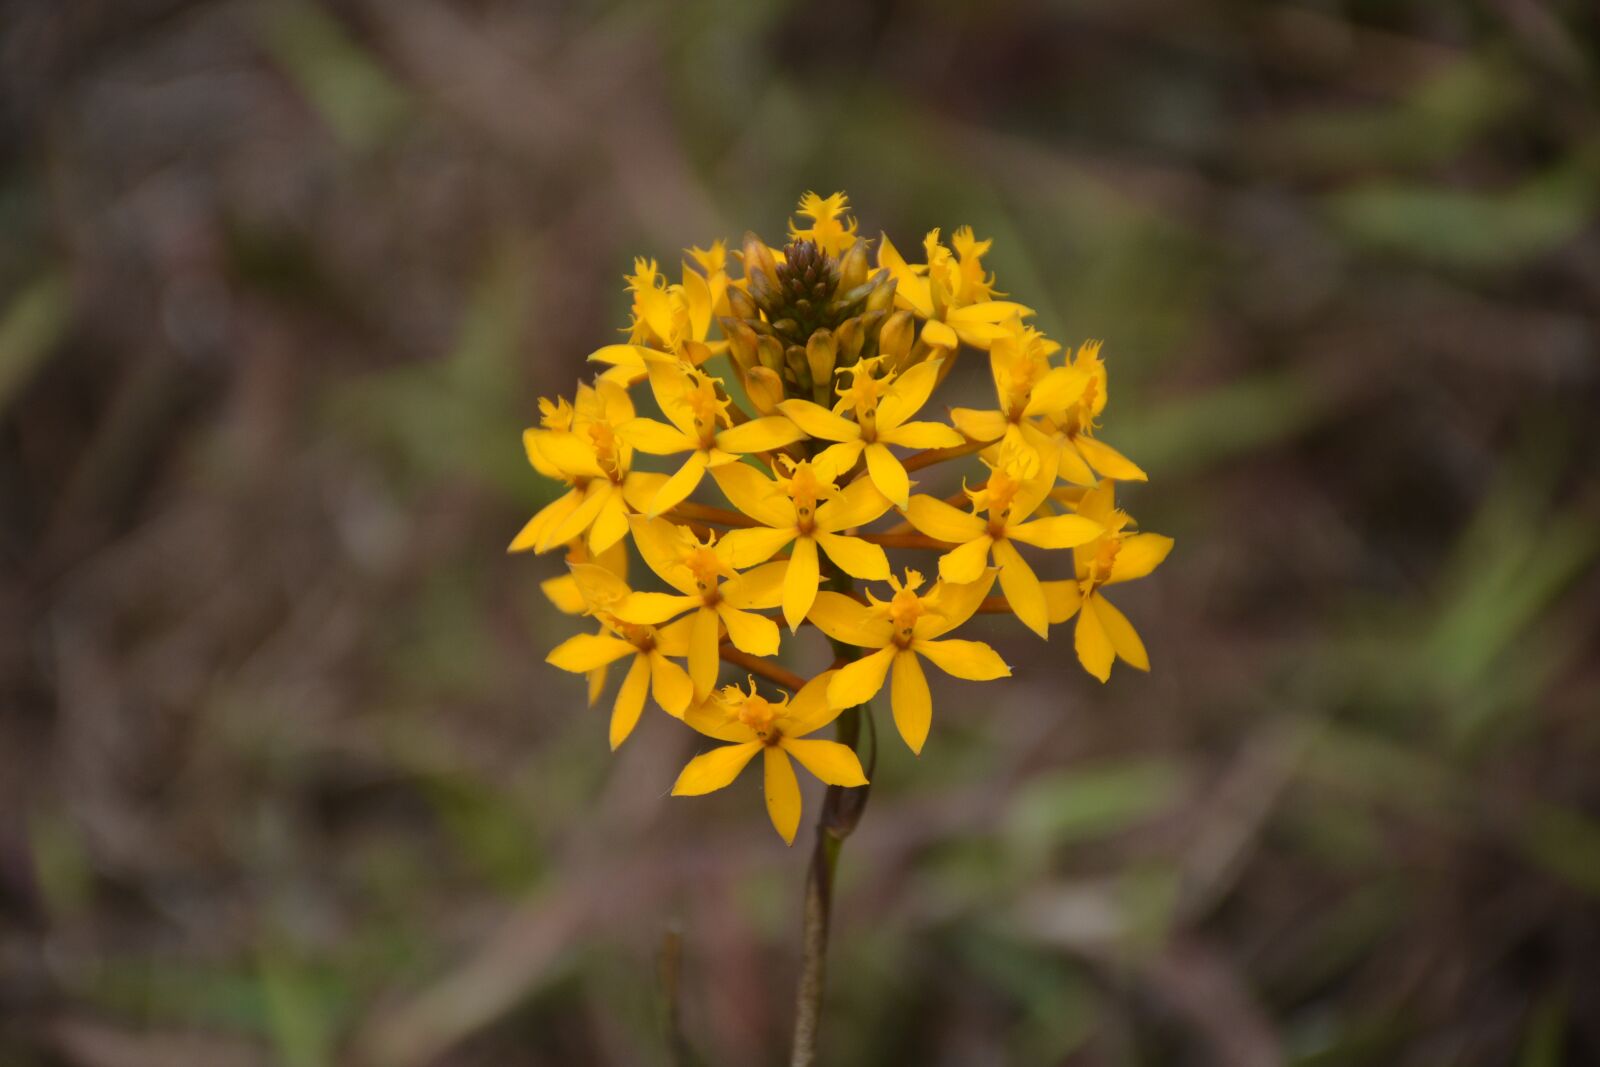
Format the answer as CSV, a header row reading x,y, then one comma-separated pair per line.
x,y
1010,501
1074,425
668,320
563,590
952,293
902,629
696,571
651,669
713,262
578,444
1028,389
1118,555
882,402
700,426
809,510
778,731
831,235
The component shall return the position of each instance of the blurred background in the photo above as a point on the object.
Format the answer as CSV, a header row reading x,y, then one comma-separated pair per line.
x,y
284,779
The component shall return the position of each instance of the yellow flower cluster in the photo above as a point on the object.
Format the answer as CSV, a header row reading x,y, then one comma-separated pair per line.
x,y
796,412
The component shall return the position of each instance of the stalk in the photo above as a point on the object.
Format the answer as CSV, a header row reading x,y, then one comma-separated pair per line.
x,y
841,811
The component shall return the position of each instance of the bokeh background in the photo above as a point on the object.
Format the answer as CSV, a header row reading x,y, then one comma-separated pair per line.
x,y
284,780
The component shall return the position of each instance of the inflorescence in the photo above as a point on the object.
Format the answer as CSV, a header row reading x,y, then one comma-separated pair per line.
x,y
795,413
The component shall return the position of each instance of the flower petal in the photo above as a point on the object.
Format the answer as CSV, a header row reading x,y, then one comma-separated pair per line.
x,y
857,558
972,660
759,435
1108,461
834,763
1093,644
630,701
935,332
942,521
1022,588
810,710
1122,634
801,582
757,544
758,588
923,435
888,473
671,685
980,425
857,504
650,609
845,619
713,770
680,485
711,718
704,662
956,602
966,563
909,698
783,794
660,543
749,632
909,392
532,534
585,652
656,438
1061,600
578,520
755,494
1057,531
817,421
1137,556
610,525
858,682
1057,390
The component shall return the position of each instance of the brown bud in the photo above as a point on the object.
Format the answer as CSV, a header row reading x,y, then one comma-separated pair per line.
x,y
794,359
740,304
765,389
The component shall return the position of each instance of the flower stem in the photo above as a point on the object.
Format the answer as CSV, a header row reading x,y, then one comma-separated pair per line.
x,y
841,811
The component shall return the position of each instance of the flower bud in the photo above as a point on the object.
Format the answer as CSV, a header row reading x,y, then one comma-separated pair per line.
x,y
741,343
853,266
769,350
895,336
822,352
882,296
758,260
765,389
848,338
794,359
740,304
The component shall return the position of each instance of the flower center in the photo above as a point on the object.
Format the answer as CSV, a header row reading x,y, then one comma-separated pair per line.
x,y
705,568
904,611
706,409
760,714
805,489
604,440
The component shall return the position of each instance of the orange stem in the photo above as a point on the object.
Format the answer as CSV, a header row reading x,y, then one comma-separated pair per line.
x,y
690,511
929,456
756,665
906,540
